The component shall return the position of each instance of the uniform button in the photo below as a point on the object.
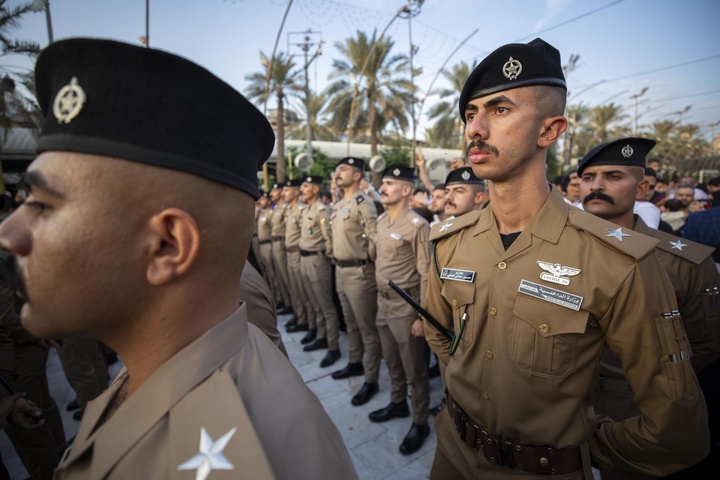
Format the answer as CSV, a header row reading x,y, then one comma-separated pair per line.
x,y
489,354
502,265
493,311
486,395
454,302
544,328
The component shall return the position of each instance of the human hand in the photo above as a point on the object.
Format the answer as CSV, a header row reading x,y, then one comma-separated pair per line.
x,y
419,159
417,329
19,411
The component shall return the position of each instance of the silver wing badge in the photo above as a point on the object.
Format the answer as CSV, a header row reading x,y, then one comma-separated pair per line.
x,y
557,273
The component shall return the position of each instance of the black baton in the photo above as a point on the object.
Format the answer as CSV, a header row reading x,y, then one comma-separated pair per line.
x,y
425,314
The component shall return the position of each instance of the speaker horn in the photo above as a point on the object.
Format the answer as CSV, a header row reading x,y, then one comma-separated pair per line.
x,y
434,163
303,162
377,163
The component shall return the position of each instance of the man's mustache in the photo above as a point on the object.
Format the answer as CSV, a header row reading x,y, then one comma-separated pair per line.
x,y
450,204
599,196
479,144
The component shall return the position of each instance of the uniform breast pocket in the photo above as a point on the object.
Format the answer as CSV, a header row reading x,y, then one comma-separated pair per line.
x,y
545,337
461,297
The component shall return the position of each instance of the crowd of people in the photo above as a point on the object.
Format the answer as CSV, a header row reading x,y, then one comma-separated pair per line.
x,y
575,325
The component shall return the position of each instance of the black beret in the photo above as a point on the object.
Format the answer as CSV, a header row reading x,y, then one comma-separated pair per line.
x,y
629,152
294,183
314,179
400,172
358,163
512,66
277,186
463,175
114,99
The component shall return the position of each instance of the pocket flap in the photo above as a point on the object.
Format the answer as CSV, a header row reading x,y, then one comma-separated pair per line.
x,y
458,294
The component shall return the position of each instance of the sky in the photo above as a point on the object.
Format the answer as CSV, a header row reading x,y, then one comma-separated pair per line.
x,y
670,47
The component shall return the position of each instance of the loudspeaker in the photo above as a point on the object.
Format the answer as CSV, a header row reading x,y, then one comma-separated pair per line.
x,y
377,164
303,162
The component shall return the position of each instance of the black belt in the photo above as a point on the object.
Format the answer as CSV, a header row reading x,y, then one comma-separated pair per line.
x,y
307,253
542,460
263,242
278,238
351,263
292,249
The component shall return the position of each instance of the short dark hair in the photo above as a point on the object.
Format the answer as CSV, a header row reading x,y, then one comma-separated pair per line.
x,y
714,182
650,172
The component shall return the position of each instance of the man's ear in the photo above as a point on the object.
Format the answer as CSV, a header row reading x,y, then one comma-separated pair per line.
x,y
552,128
174,245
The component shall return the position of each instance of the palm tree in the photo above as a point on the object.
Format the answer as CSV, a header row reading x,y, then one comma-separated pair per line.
x,y
320,131
381,92
283,81
602,122
448,129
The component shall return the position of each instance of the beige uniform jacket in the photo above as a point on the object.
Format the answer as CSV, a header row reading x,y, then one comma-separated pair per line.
x,y
277,221
538,316
353,221
292,225
403,255
264,224
315,233
261,305
233,389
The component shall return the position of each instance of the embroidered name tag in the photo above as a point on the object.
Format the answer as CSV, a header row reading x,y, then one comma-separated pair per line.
x,y
552,295
460,275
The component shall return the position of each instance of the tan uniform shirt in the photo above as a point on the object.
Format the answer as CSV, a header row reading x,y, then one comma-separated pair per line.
x,y
353,221
233,389
264,225
403,254
538,317
277,221
315,233
261,305
292,225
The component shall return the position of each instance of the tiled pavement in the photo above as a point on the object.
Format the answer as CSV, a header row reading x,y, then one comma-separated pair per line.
x,y
372,446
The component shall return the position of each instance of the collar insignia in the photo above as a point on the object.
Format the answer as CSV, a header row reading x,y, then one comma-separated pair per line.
x,y
556,273
210,457
512,69
69,101
616,233
445,226
679,245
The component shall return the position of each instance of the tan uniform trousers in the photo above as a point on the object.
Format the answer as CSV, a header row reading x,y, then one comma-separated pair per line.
x,y
39,450
317,275
279,259
357,291
269,270
304,312
85,368
403,353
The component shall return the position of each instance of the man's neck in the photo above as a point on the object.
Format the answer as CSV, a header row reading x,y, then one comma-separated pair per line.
x,y
515,203
312,201
350,190
625,220
394,210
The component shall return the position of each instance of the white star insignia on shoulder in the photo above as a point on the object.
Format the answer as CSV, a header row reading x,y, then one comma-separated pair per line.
x,y
210,457
679,245
445,226
415,220
616,233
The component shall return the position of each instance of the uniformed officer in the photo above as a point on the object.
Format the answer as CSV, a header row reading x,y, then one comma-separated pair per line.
x,y
279,256
315,254
353,225
304,320
264,233
136,233
403,256
532,290
463,193
612,177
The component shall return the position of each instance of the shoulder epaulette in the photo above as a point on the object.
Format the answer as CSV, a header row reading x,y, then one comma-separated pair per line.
x,y
417,220
360,198
454,225
624,240
681,247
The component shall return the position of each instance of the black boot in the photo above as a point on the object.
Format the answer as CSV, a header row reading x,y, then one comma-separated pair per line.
x,y
366,392
414,439
394,410
351,370
318,344
297,328
331,357
309,336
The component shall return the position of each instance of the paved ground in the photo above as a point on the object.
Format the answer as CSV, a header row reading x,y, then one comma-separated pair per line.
x,y
373,446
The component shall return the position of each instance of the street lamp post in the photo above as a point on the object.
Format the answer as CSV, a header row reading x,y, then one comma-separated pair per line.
x,y
38,5
635,97
412,10
682,112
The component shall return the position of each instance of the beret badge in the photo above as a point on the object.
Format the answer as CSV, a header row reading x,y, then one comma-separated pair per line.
x,y
69,102
512,69
465,175
396,172
627,151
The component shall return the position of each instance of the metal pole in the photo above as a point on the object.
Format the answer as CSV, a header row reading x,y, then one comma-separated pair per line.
x,y
147,23
306,47
412,92
49,21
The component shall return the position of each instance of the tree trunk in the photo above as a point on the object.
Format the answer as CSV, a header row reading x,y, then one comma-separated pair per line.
x,y
280,162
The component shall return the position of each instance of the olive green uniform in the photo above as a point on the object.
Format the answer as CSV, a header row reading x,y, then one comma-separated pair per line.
x,y
315,254
403,256
695,280
353,225
530,338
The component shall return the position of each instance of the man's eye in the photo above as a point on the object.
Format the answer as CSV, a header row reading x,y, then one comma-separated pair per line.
x,y
41,207
502,109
